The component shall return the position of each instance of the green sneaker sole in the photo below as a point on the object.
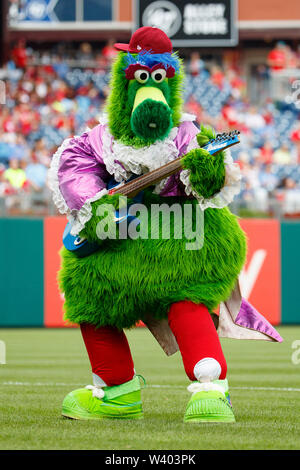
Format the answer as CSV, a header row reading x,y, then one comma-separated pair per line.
x,y
86,416
209,407
209,419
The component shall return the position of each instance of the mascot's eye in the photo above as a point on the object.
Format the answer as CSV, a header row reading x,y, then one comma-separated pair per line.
x,y
159,75
141,75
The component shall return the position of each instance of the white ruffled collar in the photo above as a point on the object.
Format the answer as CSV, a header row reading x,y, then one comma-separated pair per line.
x,y
122,160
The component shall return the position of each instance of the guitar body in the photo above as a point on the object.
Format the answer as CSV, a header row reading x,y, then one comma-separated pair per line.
x,y
78,245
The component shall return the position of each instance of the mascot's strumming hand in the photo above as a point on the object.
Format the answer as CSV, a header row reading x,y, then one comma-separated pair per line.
x,y
110,280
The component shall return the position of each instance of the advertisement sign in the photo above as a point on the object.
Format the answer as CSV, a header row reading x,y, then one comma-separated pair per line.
x,y
261,277
56,11
194,23
53,309
42,10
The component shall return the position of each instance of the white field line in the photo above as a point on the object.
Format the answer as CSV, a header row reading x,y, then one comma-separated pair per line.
x,y
62,384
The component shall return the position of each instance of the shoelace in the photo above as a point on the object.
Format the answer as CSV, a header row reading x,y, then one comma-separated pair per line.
x,y
196,387
97,391
142,381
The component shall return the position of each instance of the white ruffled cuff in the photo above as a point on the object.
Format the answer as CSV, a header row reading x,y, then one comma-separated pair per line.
x,y
226,195
53,181
77,218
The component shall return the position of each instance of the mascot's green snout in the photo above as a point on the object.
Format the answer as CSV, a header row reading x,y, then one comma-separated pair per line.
x,y
151,116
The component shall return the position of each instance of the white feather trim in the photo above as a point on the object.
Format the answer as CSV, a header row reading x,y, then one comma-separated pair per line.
x,y
188,117
53,179
96,391
196,387
122,160
225,196
78,218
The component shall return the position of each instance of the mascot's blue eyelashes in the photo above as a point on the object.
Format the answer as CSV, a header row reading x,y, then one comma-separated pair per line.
x,y
148,59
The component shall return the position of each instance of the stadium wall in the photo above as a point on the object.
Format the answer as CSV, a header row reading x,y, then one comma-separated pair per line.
x,y
29,263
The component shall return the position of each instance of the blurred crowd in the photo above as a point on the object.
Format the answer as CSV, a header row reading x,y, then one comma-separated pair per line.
x,y
53,95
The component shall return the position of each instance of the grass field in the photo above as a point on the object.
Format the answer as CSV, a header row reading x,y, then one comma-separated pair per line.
x,y
44,365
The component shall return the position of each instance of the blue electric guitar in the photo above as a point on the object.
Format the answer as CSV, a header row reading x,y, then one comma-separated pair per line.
x,y
132,189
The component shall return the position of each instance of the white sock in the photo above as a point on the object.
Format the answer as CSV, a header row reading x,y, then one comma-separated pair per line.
x,y
207,370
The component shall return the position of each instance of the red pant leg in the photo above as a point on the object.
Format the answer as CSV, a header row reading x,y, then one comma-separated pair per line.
x,y
109,353
196,336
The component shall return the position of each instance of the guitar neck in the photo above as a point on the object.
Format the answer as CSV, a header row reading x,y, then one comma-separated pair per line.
x,y
132,188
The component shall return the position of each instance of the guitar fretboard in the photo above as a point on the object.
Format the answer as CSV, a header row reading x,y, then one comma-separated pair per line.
x,y
132,188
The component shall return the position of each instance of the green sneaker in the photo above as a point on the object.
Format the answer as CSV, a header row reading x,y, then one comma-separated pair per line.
x,y
210,403
121,401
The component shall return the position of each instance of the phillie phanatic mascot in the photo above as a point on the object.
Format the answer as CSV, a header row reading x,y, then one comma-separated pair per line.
x,y
172,283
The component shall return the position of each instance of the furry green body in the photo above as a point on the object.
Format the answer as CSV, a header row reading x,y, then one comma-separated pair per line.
x,y
127,279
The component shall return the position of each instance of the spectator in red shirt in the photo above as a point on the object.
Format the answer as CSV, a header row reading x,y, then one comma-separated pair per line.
x,y
19,54
277,59
295,137
265,155
109,52
231,116
217,76
196,64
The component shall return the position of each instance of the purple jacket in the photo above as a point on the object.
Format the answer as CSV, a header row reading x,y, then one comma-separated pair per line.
x,y
82,172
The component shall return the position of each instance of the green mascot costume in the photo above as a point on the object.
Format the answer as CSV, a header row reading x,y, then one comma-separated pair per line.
x,y
121,263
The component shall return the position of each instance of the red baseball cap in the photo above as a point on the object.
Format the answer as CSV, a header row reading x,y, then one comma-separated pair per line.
x,y
147,39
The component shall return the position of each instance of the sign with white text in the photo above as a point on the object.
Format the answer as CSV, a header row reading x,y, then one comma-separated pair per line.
x,y
194,23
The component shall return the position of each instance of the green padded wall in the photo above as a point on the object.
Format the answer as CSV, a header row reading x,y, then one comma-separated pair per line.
x,y
21,272
290,272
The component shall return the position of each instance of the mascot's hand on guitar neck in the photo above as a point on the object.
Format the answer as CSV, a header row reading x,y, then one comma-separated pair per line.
x,y
207,172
